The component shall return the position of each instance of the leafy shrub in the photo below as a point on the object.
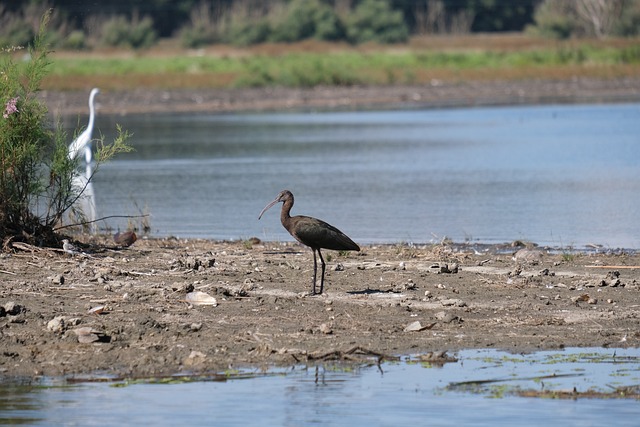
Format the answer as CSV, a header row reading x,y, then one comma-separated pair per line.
x,y
245,33
75,40
36,172
629,24
202,29
374,20
121,32
308,19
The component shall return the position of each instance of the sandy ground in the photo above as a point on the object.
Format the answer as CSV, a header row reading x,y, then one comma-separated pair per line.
x,y
126,312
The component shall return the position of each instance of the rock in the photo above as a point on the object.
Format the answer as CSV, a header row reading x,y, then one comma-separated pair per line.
x,y
445,317
88,335
453,302
195,327
56,325
200,298
417,326
13,308
529,255
3,312
440,268
194,358
58,279
338,267
325,329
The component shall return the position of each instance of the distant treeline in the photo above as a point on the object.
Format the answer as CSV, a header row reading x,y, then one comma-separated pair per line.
x,y
140,23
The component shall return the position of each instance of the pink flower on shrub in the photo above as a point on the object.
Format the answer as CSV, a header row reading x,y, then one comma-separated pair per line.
x,y
10,108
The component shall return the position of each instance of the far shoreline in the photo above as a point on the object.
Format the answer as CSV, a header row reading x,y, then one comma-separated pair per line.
x,y
349,98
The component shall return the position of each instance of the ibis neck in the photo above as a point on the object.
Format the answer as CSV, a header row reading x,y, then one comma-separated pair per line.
x,y
285,213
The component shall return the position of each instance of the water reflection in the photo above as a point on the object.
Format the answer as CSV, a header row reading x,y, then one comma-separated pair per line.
x,y
559,175
398,394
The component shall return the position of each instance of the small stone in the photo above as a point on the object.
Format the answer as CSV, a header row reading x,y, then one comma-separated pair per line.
x,y
445,317
592,301
13,308
56,325
338,267
325,329
195,327
417,326
58,279
194,358
88,335
453,302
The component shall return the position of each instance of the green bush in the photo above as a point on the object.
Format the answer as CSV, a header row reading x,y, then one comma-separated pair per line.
x,y
16,33
553,19
121,32
36,172
375,21
202,29
629,24
306,19
75,40
246,33
197,36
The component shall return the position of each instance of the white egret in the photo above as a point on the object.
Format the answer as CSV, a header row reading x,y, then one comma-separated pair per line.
x,y
81,183
84,139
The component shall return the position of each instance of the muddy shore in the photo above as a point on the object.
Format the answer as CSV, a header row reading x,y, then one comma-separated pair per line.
x,y
126,312
129,312
436,95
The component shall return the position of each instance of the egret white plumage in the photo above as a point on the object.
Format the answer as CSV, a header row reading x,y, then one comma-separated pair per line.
x,y
84,139
83,183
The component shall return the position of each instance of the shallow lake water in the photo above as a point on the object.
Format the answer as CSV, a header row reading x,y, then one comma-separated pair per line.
x,y
559,175
479,389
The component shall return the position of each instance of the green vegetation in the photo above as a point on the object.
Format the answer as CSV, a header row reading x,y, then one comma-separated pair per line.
x,y
139,24
36,173
306,66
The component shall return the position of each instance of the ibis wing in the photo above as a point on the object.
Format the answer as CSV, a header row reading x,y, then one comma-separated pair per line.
x,y
320,235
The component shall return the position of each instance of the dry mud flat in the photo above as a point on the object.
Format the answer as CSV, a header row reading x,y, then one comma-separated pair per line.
x,y
125,312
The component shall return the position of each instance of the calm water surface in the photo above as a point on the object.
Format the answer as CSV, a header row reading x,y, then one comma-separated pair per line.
x,y
399,394
563,175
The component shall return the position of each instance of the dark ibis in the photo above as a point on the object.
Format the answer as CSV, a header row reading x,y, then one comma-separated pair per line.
x,y
311,232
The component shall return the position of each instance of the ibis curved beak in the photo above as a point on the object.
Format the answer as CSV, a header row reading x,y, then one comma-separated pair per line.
x,y
266,208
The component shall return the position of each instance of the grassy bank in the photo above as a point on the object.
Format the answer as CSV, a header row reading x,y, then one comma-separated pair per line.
x,y
307,64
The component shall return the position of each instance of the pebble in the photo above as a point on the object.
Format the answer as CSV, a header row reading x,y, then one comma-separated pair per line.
x,y
444,268
417,326
445,317
87,335
58,279
453,302
56,325
13,308
325,329
195,358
